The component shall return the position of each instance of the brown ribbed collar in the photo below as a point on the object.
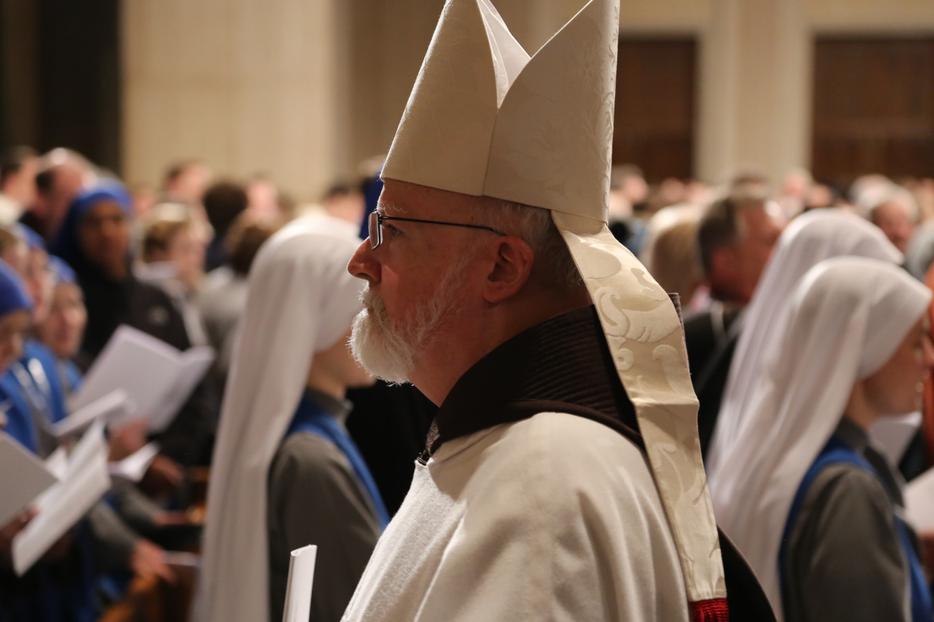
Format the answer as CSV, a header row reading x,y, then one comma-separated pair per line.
x,y
560,365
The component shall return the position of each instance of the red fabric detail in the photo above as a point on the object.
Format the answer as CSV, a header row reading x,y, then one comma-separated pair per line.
x,y
713,610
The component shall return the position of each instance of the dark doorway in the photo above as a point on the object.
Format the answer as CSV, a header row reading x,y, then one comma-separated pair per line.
x,y
61,76
873,107
655,105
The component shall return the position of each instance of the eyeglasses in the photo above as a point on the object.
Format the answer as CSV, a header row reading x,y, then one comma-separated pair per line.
x,y
377,220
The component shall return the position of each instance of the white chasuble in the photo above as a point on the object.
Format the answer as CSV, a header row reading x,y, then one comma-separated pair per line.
x,y
551,518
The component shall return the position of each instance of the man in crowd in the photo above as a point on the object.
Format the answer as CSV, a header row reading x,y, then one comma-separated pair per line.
x,y
735,237
63,173
896,215
185,182
534,498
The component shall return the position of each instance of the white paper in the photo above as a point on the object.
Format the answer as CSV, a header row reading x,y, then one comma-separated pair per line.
x,y
25,477
891,435
182,559
115,406
194,364
919,501
298,590
156,377
57,462
133,467
67,501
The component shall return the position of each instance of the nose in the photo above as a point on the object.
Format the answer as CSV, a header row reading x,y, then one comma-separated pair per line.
x,y
364,265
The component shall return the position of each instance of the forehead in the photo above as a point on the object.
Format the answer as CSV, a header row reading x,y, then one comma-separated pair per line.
x,y
15,320
404,199
105,208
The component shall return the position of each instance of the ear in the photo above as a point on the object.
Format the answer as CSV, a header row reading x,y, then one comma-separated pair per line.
x,y
510,270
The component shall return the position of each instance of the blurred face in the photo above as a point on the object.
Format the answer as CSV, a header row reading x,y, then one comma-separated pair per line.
x,y
13,330
104,237
895,221
17,257
186,252
190,185
63,328
22,185
263,199
68,182
755,248
38,281
895,389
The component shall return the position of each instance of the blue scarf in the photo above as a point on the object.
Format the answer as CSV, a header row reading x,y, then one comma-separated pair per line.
x,y
311,418
837,452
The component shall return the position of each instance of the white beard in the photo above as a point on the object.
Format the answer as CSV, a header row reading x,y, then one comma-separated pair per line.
x,y
389,351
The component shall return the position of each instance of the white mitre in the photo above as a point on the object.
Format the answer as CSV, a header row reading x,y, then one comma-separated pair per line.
x,y
486,119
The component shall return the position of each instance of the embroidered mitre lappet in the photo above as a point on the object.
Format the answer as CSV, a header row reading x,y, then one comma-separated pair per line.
x,y
487,119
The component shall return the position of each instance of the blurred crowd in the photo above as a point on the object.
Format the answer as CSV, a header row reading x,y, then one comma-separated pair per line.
x,y
90,253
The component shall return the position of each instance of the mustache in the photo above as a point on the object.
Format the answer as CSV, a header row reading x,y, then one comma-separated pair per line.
x,y
371,301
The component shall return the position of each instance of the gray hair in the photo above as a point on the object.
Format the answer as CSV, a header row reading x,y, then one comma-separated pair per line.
x,y
554,267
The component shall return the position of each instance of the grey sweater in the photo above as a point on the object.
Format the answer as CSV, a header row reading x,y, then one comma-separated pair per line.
x,y
843,559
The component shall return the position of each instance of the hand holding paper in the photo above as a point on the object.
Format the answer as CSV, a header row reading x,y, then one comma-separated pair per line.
x,y
24,477
85,481
156,377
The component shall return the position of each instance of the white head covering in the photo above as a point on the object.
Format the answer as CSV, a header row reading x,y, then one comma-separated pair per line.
x,y
809,239
845,320
301,300
487,119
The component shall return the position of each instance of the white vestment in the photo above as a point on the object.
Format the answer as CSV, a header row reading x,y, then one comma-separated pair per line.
x,y
555,517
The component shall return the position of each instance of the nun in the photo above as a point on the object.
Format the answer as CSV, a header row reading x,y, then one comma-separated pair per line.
x,y
816,509
61,585
64,324
95,241
285,472
809,239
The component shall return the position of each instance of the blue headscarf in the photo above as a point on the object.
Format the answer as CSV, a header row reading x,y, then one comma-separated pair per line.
x,y
61,271
66,242
13,296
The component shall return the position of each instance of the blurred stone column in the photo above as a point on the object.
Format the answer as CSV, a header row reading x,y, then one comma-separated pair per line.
x,y
755,89
247,86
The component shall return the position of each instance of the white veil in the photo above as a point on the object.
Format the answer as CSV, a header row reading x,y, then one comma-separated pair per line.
x,y
301,300
809,239
844,321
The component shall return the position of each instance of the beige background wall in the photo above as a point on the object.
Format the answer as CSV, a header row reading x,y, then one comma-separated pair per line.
x,y
306,89
247,86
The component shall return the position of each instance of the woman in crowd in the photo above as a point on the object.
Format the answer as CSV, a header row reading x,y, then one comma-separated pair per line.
x,y
64,325
814,507
173,246
60,587
286,473
95,241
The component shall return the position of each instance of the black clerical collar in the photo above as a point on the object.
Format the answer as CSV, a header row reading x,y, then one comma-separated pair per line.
x,y
560,365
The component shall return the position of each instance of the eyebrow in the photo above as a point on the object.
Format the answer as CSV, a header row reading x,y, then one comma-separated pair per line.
x,y
393,208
